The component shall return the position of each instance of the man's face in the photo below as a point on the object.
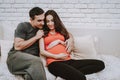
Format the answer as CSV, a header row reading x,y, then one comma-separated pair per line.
x,y
38,21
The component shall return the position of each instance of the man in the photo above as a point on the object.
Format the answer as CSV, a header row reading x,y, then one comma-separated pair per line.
x,y
23,59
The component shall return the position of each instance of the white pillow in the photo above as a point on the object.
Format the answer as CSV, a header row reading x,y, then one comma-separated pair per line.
x,y
84,48
5,47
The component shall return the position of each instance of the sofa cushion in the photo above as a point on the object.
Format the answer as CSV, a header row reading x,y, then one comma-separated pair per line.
x,y
111,72
84,47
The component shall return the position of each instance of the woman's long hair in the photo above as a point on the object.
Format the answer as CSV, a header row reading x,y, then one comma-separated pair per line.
x,y
59,26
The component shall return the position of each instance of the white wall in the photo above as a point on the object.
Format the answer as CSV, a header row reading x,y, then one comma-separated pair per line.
x,y
92,14
74,13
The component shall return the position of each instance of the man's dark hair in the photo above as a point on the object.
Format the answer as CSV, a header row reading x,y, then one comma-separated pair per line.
x,y
35,11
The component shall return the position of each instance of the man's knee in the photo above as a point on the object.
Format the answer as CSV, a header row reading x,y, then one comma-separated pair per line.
x,y
37,60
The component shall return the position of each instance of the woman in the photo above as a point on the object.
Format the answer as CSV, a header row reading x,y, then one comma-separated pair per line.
x,y
59,62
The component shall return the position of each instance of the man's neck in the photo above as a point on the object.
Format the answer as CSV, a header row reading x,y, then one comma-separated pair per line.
x,y
32,24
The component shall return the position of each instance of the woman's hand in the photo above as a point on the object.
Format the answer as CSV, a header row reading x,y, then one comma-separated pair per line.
x,y
61,56
54,43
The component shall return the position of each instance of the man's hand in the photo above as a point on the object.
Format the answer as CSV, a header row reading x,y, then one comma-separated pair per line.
x,y
39,34
69,43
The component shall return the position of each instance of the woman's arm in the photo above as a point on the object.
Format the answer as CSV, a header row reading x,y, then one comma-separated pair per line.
x,y
48,54
69,43
56,42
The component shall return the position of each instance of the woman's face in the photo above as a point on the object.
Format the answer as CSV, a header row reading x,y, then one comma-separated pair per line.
x,y
50,22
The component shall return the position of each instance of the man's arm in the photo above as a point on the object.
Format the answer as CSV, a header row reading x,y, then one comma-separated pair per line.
x,y
70,43
21,44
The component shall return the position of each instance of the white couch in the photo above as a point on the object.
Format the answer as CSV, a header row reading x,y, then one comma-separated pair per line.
x,y
90,43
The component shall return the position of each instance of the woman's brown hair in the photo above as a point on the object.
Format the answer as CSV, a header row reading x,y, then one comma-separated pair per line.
x,y
59,26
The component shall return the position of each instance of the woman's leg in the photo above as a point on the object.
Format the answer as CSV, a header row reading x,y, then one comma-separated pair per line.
x,y
88,66
65,71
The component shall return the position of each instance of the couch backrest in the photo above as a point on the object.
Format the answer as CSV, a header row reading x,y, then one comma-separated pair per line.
x,y
108,39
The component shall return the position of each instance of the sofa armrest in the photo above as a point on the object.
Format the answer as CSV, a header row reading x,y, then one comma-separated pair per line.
x,y
5,48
